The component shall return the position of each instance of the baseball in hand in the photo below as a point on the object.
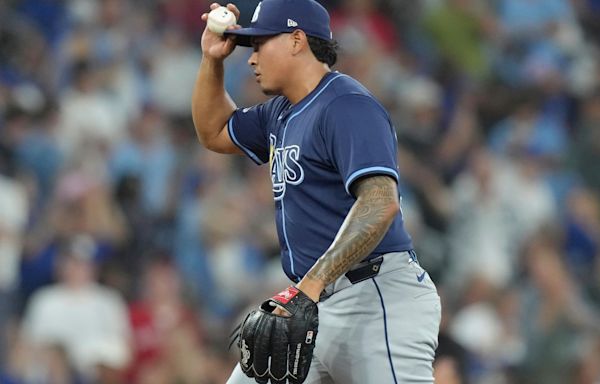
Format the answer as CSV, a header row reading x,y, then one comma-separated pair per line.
x,y
219,19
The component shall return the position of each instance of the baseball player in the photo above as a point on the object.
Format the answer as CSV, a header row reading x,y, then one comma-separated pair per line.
x,y
360,309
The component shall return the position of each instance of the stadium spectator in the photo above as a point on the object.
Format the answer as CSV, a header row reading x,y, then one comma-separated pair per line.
x,y
88,320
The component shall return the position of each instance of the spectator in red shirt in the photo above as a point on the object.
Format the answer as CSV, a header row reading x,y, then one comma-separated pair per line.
x,y
157,320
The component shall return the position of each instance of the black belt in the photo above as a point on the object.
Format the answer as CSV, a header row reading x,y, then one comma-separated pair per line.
x,y
365,270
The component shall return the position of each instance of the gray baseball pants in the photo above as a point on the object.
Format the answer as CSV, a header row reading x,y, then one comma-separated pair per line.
x,y
377,331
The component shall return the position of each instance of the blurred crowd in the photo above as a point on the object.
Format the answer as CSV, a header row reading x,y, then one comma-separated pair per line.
x,y
128,252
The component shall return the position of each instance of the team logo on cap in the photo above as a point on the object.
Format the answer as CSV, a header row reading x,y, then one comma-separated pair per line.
x,y
256,13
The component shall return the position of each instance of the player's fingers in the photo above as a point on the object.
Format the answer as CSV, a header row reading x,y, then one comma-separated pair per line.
x,y
229,44
204,16
233,8
279,351
234,27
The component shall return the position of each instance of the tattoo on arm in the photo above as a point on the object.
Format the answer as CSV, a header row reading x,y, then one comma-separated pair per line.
x,y
364,227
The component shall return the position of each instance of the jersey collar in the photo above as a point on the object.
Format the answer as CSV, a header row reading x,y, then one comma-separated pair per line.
x,y
308,98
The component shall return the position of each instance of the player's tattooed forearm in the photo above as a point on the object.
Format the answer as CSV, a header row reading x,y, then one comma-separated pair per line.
x,y
364,227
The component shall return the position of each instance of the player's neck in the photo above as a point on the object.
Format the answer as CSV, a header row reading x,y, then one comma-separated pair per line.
x,y
305,81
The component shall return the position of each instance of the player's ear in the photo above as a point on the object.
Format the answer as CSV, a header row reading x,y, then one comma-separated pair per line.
x,y
299,41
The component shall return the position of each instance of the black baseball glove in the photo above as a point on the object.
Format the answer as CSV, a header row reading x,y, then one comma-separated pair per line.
x,y
279,348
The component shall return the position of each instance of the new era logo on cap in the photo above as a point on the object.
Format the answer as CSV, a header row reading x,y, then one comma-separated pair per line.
x,y
272,17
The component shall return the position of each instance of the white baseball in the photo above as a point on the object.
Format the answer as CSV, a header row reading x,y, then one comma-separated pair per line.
x,y
219,19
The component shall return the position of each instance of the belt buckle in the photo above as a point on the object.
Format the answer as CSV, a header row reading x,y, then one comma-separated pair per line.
x,y
365,270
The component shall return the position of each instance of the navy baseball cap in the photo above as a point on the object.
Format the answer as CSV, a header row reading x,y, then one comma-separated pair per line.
x,y
273,17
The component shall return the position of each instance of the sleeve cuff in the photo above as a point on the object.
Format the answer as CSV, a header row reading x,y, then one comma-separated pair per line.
x,y
371,171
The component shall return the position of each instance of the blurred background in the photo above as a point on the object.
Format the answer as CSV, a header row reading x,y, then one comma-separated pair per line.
x,y
128,253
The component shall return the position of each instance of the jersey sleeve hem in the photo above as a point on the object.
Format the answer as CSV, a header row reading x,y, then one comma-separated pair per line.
x,y
248,152
370,171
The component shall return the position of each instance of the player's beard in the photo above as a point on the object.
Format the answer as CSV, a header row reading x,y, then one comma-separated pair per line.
x,y
269,91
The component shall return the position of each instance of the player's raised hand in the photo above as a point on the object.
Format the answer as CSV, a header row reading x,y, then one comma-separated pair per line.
x,y
217,46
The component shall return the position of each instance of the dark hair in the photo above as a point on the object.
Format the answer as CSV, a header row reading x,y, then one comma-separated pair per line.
x,y
325,51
